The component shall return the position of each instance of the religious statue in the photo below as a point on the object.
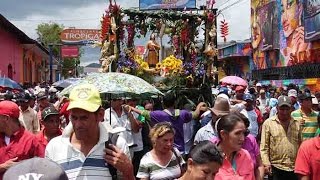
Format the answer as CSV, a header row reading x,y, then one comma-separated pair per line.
x,y
152,51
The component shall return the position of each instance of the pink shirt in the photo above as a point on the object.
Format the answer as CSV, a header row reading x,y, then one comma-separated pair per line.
x,y
250,144
244,168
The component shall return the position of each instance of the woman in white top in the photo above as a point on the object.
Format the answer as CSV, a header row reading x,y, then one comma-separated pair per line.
x,y
163,161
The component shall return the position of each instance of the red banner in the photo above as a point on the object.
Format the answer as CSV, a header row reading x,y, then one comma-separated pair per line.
x,y
69,51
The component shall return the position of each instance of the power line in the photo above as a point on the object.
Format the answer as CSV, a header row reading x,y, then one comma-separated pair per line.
x,y
89,19
223,3
231,5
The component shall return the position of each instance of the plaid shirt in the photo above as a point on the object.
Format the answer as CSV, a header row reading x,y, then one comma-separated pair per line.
x,y
278,147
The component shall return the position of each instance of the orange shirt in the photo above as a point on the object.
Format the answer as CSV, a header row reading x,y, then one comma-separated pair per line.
x,y
308,159
244,168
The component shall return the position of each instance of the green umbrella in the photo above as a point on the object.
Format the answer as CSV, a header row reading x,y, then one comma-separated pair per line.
x,y
117,83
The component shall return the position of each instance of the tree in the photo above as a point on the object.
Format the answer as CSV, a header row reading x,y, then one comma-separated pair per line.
x,y
49,33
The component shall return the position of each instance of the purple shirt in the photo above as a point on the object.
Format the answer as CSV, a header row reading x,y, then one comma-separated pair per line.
x,y
177,123
250,144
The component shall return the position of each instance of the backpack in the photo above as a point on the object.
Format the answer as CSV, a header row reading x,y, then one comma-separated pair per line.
x,y
113,138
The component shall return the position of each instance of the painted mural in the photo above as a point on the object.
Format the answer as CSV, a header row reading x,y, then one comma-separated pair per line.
x,y
311,10
278,34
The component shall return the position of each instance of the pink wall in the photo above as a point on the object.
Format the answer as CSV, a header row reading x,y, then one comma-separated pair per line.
x,y
10,53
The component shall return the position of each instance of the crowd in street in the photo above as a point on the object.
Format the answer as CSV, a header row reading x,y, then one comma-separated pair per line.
x,y
250,133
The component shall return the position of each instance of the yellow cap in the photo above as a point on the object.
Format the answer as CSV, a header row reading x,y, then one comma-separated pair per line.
x,y
86,97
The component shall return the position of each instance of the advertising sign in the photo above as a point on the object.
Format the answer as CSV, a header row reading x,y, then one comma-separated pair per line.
x,y
311,20
69,51
80,36
166,4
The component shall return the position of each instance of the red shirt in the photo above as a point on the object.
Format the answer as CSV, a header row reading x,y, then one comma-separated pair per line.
x,y
23,145
42,139
308,159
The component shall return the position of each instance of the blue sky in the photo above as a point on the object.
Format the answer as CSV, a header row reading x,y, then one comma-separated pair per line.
x,y
87,13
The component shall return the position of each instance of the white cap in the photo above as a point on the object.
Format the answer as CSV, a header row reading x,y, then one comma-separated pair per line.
x,y
292,93
52,90
258,85
315,100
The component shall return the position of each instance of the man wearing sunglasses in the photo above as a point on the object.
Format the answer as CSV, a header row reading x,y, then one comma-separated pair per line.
x,y
280,140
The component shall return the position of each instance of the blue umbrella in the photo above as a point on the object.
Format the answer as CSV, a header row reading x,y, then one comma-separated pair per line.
x,y
9,83
66,82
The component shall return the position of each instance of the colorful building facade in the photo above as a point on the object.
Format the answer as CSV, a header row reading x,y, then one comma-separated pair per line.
x,y
235,59
22,58
285,40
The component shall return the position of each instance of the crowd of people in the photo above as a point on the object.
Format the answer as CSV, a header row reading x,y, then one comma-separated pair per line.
x,y
253,132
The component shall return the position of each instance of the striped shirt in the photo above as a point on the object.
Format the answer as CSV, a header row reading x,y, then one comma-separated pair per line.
x,y
150,169
311,123
75,163
278,147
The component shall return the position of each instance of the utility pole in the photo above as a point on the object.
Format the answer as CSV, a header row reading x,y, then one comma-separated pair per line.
x,y
215,58
50,62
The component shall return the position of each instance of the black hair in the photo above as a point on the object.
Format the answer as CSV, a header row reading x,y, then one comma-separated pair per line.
x,y
228,122
168,100
206,152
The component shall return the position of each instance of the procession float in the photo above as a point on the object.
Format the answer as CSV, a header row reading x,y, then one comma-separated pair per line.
x,y
191,65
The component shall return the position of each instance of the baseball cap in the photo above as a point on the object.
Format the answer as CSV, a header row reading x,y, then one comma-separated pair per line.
x,y
292,93
86,97
23,97
224,90
239,88
315,101
41,95
39,167
284,101
9,108
247,97
262,91
258,85
48,111
305,95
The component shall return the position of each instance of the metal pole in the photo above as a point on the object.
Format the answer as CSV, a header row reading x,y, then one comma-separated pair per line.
x,y
50,62
215,60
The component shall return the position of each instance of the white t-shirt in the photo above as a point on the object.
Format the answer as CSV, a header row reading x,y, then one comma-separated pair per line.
x,y
137,137
121,121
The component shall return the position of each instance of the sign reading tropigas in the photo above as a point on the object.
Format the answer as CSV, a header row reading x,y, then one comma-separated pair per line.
x,y
80,36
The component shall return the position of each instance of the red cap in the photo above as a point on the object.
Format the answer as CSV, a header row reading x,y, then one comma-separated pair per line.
x,y
10,109
240,88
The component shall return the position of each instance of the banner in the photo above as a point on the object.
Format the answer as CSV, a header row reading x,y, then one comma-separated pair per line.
x,y
69,51
80,36
311,20
166,4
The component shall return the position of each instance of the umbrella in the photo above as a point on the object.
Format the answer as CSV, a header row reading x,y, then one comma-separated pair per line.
x,y
117,83
65,82
234,80
9,83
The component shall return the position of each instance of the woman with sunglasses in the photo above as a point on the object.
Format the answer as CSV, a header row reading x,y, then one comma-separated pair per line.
x,y
237,164
204,162
163,161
